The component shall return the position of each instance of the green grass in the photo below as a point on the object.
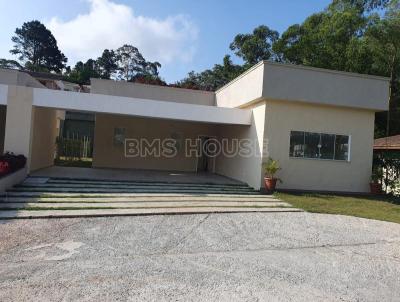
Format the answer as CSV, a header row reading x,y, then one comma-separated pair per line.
x,y
67,162
384,208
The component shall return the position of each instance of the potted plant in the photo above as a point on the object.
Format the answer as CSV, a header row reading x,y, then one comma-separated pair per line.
x,y
271,167
375,186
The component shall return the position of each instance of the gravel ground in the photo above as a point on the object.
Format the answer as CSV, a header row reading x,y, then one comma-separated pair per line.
x,y
215,257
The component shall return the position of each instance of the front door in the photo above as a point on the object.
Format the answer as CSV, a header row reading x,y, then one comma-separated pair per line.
x,y
205,161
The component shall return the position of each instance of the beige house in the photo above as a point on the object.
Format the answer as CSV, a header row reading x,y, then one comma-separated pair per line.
x,y
318,123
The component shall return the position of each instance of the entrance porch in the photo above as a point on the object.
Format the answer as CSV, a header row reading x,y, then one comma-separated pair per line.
x,y
134,175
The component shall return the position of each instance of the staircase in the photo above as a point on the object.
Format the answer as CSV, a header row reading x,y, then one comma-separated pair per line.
x,y
39,197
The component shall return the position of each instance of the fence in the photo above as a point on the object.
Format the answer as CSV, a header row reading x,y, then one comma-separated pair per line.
x,y
74,148
387,166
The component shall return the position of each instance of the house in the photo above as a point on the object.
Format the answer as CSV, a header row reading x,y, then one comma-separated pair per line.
x,y
319,124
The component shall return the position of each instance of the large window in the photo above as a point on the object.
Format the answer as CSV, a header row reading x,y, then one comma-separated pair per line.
x,y
319,145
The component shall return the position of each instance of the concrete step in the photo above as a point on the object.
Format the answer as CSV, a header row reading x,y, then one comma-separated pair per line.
x,y
146,204
11,194
117,198
141,183
28,186
20,214
113,190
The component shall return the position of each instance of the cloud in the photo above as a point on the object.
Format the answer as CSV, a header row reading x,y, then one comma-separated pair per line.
x,y
110,25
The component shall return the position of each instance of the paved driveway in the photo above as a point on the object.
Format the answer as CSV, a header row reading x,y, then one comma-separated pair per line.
x,y
216,257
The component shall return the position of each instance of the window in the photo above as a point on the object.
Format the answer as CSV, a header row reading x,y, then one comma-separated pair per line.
x,y
342,147
327,150
311,145
119,136
297,144
319,145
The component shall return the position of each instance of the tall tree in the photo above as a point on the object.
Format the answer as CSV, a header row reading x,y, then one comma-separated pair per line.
x,y
37,48
330,39
131,63
82,72
212,79
11,64
255,47
107,64
384,40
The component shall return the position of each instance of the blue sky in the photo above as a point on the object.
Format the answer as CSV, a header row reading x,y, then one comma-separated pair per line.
x,y
182,35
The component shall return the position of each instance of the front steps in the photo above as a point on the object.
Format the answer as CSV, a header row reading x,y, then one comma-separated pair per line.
x,y
57,197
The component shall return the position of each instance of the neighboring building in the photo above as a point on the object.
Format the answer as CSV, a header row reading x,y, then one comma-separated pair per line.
x,y
387,144
318,123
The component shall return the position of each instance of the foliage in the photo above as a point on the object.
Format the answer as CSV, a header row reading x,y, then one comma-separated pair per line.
x,y
271,167
11,64
255,47
82,72
327,40
386,170
212,79
37,48
386,208
384,41
131,63
107,64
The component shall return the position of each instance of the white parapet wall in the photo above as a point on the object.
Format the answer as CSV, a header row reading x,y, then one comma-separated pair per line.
x,y
99,103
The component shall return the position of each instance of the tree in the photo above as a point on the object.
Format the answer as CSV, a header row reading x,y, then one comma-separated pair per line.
x,y
330,39
107,64
37,48
212,79
82,72
11,64
384,40
362,5
255,47
131,63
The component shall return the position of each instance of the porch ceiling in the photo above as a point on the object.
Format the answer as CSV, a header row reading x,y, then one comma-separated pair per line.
x,y
100,103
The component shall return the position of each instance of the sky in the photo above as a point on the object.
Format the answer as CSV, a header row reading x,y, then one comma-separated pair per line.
x,y
181,35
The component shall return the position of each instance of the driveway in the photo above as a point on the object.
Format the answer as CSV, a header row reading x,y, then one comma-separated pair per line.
x,y
207,257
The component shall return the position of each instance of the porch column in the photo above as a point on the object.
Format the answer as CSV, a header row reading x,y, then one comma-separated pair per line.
x,y
19,121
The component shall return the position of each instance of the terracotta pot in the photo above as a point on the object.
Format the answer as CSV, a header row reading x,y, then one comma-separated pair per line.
x,y
270,183
375,188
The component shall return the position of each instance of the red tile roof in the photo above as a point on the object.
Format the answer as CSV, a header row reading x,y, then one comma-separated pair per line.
x,y
390,142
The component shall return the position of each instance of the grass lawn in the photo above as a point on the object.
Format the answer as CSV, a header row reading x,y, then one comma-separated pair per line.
x,y
384,208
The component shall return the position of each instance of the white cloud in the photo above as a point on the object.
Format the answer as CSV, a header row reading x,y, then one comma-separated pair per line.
x,y
110,25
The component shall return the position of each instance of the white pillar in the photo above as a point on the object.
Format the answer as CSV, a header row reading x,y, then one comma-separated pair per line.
x,y
19,121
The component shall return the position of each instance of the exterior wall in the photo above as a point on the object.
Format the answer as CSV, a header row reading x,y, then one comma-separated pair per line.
x,y
44,135
142,91
3,115
108,155
321,86
276,81
321,175
246,88
245,169
15,77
